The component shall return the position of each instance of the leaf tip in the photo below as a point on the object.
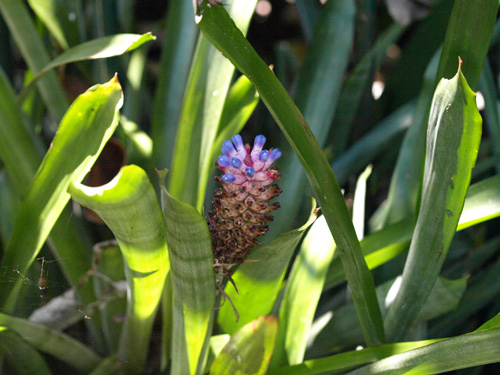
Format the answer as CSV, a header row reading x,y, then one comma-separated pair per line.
x,y
162,173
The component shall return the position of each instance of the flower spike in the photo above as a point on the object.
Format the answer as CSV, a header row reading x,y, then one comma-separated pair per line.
x,y
241,207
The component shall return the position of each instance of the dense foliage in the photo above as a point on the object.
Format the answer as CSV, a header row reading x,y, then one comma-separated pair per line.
x,y
112,115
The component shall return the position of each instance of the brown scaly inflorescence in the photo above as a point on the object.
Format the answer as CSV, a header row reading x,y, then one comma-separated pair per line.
x,y
240,208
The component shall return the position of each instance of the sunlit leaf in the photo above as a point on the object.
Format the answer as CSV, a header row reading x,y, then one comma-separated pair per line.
x,y
249,349
453,137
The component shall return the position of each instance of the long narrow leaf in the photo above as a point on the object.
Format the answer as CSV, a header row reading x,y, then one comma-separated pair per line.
x,y
340,329
174,68
23,30
453,139
459,352
219,28
83,132
206,92
405,187
21,163
55,343
356,84
193,282
468,36
320,77
482,203
373,143
302,294
101,48
348,360
21,356
46,10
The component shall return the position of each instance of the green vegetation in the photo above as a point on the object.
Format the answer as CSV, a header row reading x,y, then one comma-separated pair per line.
x,y
107,156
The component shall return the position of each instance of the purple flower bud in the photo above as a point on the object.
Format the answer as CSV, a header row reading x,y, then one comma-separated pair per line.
x,y
223,161
249,172
228,178
274,155
259,142
238,142
236,163
264,154
228,149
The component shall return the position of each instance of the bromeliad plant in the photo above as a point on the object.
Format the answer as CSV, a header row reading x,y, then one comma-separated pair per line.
x,y
414,290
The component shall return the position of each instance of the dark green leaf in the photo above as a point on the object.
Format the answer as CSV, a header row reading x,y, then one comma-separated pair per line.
x,y
55,343
20,355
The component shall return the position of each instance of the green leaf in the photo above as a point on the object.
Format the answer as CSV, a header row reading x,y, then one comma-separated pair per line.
x,y
465,351
341,330
490,324
20,355
193,281
468,36
482,289
427,357
404,189
47,12
453,138
374,143
482,203
109,262
21,160
356,84
260,277
129,206
82,134
239,106
217,343
32,48
321,76
486,85
302,293
348,360
174,66
215,23
204,98
135,91
240,103
55,343
108,366
308,13
249,349
101,48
